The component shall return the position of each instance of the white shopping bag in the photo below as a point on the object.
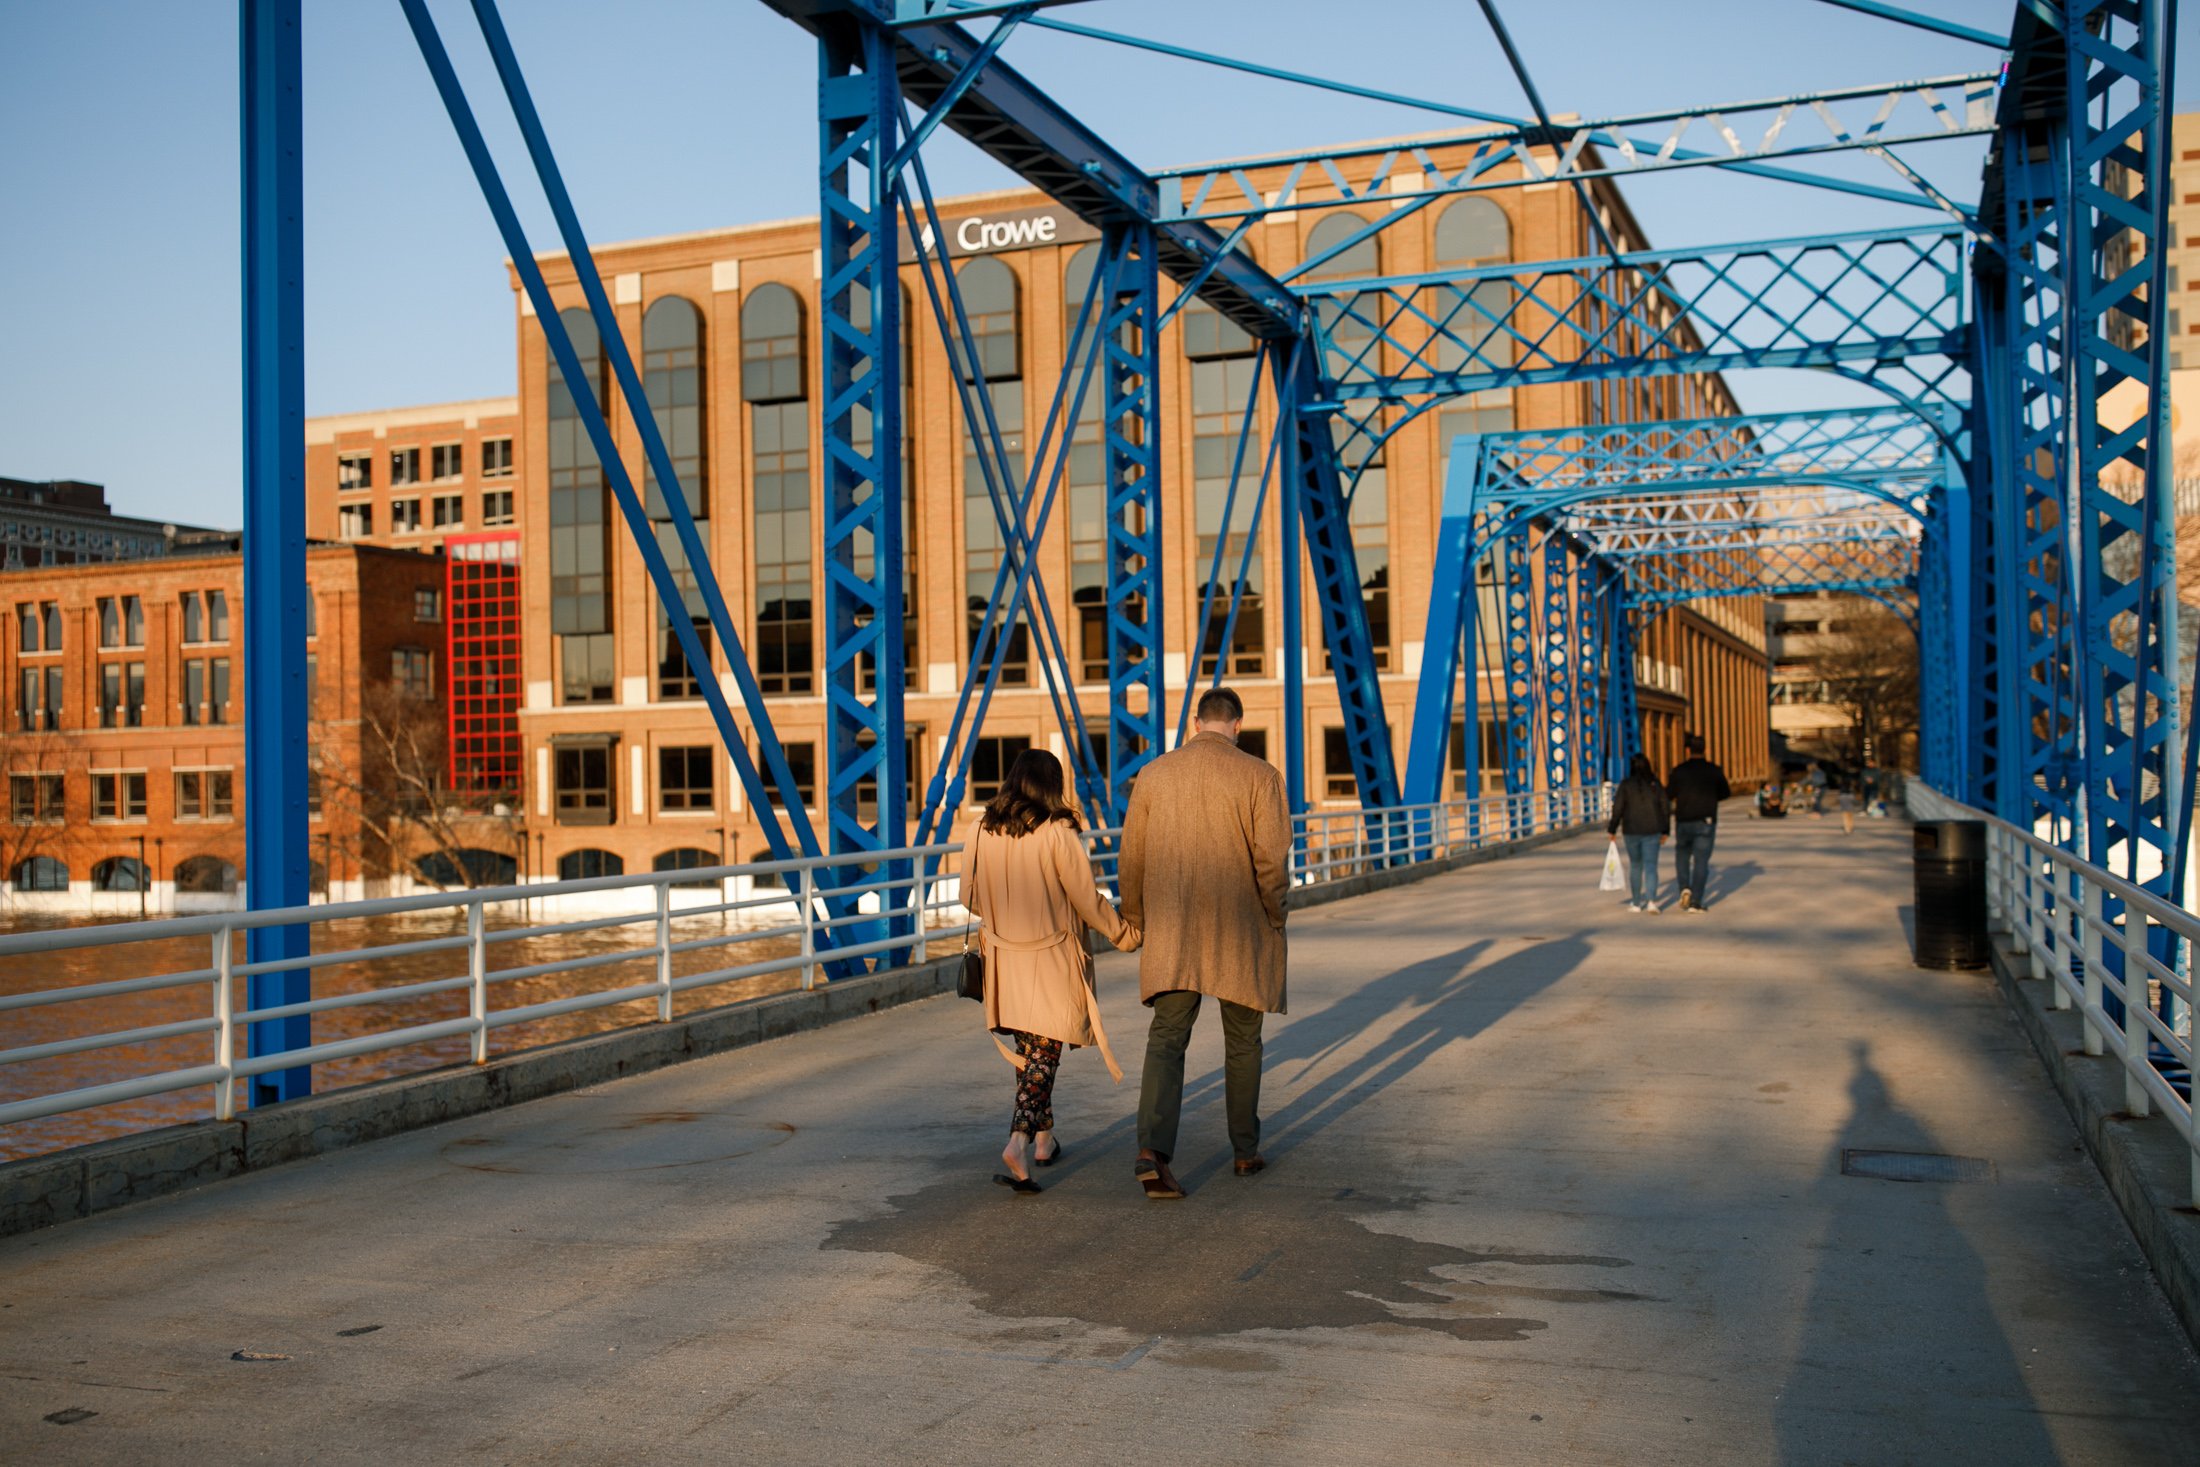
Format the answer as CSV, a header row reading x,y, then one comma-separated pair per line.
x,y
1614,878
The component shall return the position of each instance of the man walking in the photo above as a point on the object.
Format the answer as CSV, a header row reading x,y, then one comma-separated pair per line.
x,y
1206,864
1697,786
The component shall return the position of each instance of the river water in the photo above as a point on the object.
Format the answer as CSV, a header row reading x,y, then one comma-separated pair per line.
x,y
75,967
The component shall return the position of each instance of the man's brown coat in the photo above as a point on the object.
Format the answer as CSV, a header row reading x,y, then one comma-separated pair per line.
x,y
1206,865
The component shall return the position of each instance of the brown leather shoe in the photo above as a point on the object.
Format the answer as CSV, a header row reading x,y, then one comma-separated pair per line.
x,y
1249,1166
1157,1181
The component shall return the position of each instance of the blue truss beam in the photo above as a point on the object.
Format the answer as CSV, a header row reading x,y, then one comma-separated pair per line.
x,y
860,327
1311,483
1130,417
1516,604
1556,684
1820,301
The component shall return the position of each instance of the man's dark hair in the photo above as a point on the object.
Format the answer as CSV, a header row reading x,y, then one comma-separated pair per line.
x,y
1220,705
1693,743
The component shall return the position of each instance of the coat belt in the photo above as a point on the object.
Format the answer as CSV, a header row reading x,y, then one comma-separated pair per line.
x,y
1092,1000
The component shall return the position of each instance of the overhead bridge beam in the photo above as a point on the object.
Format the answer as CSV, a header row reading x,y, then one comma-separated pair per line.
x,y
1012,121
1808,123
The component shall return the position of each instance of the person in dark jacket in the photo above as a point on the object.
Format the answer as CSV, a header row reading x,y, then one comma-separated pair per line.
x,y
1697,786
1641,812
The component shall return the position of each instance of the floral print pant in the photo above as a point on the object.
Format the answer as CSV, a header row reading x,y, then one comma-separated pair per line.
x,y
1035,1084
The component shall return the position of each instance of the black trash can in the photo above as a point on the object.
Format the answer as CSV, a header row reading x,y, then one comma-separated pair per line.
x,y
1951,894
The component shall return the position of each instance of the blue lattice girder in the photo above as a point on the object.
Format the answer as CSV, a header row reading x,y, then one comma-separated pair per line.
x,y
1816,301
1130,340
860,327
2118,55
1556,647
1310,478
1516,606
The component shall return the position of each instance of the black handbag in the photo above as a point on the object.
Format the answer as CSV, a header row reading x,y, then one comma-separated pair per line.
x,y
970,982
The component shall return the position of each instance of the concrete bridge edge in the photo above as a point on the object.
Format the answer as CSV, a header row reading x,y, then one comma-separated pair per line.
x,y
2142,1158
42,1191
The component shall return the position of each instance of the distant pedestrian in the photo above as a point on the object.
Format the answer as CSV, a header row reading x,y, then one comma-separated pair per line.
x,y
1206,866
1642,814
1816,779
1025,875
1697,786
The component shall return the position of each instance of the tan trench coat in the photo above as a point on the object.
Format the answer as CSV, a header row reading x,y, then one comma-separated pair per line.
x,y
1035,895
1206,865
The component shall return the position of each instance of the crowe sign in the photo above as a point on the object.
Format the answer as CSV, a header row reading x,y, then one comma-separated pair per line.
x,y
1013,229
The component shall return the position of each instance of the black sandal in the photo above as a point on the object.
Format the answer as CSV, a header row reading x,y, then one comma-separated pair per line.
x,y
1050,1160
1021,1186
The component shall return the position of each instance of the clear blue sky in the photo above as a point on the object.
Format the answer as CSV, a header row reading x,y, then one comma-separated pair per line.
x,y
118,168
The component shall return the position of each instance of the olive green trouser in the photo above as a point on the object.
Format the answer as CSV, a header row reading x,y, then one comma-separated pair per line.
x,y
1161,1086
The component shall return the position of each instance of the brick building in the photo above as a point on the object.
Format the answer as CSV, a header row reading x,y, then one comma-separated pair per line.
x,y
408,478
68,522
122,737
623,764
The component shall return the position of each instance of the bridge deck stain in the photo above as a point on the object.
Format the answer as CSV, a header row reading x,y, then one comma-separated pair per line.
x,y
1235,1256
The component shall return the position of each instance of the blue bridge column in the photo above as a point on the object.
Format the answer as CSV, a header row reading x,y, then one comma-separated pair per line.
x,y
278,858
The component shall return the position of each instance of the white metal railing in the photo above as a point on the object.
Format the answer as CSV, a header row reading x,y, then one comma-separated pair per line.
x,y
2064,914
1331,846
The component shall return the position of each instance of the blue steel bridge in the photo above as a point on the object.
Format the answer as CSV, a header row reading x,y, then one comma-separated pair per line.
x,y
2006,490
2009,493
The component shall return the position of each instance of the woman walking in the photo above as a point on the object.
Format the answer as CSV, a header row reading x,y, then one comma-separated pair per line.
x,y
1025,876
1640,812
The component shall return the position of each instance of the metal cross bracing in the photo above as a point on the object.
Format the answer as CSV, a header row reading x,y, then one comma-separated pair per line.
x,y
1819,301
2017,340
1872,118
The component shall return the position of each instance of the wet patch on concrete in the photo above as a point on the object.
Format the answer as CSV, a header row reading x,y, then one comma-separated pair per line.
x,y
669,1139
1236,1256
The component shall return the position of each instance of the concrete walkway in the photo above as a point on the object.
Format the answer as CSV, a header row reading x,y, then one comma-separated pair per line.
x,y
1552,1183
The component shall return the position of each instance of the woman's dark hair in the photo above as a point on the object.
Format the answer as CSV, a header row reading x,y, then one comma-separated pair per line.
x,y
1030,796
1639,768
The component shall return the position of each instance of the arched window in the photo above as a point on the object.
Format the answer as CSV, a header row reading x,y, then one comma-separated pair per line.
x,y
992,301
41,873
672,379
772,383
685,858
1346,316
580,572
582,864
468,866
1471,232
205,875
119,873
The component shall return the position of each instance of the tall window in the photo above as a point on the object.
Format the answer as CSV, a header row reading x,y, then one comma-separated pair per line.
x,y
989,762
580,575
355,471
1348,327
773,384
194,690
1475,231
1370,516
496,458
447,461
121,621
404,466
1222,382
672,378
990,298
1087,483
